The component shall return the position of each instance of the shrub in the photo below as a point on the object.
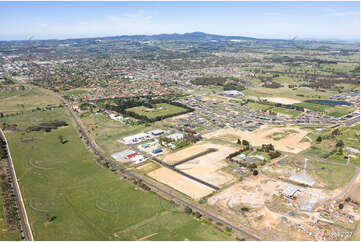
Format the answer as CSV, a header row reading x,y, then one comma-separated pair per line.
x,y
187,210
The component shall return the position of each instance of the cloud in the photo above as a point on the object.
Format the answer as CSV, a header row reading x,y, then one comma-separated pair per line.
x,y
337,13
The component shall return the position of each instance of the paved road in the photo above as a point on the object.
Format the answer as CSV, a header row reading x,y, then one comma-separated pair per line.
x,y
24,221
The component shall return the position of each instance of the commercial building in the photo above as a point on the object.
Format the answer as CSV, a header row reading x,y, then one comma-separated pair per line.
x,y
232,93
290,191
157,132
302,179
136,138
123,154
175,136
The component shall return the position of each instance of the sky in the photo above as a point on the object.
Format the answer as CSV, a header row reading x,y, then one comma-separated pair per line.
x,y
61,20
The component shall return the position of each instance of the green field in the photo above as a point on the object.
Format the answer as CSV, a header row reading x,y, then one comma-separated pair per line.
x,y
332,176
264,107
29,100
335,111
161,109
62,180
258,106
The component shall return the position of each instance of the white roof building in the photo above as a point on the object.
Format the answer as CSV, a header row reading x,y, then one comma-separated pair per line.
x,y
290,191
302,179
138,159
175,136
233,93
122,154
136,138
352,150
157,132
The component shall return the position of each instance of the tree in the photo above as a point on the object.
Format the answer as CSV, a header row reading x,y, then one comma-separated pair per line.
x,y
245,142
187,210
197,214
255,172
340,143
319,139
336,132
238,142
340,206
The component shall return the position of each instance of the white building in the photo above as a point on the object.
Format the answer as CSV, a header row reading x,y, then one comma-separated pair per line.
x,y
123,154
138,159
157,132
137,138
302,179
232,93
175,136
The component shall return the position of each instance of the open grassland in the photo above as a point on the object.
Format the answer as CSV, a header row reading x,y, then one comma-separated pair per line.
x,y
31,118
172,226
5,234
266,107
336,111
161,109
12,93
86,202
301,93
29,100
330,175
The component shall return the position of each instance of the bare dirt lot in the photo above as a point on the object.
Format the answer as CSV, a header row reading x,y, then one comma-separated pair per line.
x,y
206,167
283,100
290,143
252,191
181,183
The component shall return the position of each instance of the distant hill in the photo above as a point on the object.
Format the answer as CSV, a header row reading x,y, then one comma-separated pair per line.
x,y
175,36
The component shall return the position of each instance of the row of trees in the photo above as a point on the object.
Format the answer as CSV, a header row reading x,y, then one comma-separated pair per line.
x,y
121,106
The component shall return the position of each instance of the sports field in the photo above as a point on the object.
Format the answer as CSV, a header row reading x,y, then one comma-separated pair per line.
x,y
161,109
69,197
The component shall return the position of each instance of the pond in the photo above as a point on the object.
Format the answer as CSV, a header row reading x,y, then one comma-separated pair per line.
x,y
329,102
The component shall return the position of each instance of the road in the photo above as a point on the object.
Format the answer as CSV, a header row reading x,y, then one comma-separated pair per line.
x,y
24,221
145,180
